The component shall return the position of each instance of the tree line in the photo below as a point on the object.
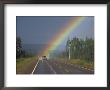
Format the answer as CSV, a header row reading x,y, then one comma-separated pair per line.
x,y
20,52
80,49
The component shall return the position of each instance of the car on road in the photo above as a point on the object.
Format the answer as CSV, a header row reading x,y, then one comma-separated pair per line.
x,y
44,58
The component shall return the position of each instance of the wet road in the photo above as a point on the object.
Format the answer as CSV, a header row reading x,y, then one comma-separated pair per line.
x,y
57,67
44,68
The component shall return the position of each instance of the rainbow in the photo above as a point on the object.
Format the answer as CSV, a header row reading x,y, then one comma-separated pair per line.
x,y
63,33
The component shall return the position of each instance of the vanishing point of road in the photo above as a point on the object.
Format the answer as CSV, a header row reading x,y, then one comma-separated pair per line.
x,y
57,67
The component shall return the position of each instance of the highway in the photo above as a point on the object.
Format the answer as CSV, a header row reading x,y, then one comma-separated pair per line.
x,y
57,67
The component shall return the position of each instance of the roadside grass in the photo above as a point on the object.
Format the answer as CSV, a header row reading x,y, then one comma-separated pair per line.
x,y
82,63
25,65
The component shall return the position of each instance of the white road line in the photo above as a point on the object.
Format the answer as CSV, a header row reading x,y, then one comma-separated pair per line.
x,y
51,68
35,66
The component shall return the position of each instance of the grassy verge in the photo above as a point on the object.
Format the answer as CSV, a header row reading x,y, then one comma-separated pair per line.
x,y
25,65
82,63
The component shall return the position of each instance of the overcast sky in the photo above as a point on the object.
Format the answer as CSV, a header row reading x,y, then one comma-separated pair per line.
x,y
41,29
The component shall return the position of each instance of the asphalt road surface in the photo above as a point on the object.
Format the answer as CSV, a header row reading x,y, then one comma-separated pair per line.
x,y
57,67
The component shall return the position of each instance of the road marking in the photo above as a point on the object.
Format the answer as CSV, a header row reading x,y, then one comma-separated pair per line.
x,y
89,69
35,66
51,68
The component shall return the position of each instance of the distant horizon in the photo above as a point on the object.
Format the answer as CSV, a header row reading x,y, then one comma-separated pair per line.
x,y
47,43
